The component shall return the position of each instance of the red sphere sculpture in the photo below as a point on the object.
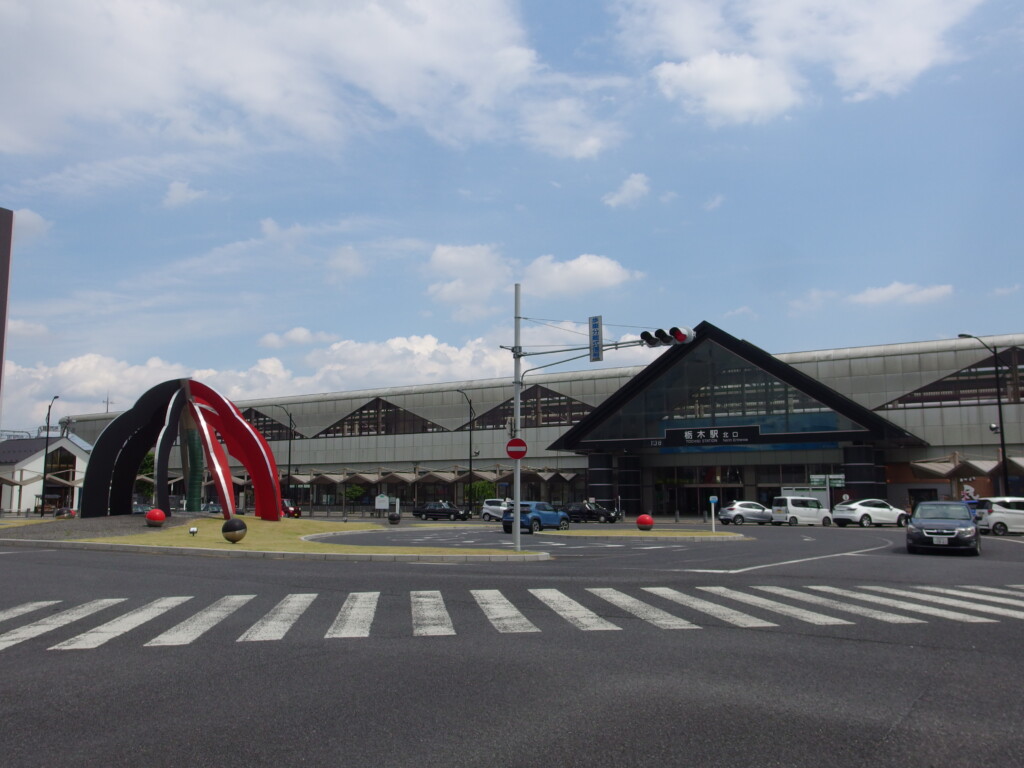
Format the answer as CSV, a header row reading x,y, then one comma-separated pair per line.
x,y
645,522
155,518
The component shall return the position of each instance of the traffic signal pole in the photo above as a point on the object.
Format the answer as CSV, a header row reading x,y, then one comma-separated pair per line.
x,y
517,387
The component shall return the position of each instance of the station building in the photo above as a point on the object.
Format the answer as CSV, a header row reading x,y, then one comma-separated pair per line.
x,y
718,417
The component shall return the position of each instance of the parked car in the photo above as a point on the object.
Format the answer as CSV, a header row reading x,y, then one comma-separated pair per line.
x,y
214,508
868,512
493,509
139,508
585,511
1000,515
439,510
943,525
740,512
290,509
799,510
535,516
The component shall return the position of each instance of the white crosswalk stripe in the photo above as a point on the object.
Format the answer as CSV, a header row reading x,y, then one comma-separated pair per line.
x,y
429,616
356,616
837,605
94,638
721,612
71,615
275,625
774,606
499,610
189,630
571,611
21,610
905,606
943,600
650,614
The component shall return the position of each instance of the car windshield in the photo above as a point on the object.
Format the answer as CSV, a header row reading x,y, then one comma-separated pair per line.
x,y
943,512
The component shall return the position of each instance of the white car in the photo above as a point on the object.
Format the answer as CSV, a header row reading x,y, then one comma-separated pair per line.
x,y
1000,515
799,510
493,509
868,512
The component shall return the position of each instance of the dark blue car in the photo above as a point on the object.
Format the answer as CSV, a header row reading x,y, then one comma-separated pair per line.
x,y
535,516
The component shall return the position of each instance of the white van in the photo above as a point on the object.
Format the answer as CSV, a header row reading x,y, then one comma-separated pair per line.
x,y
799,510
1000,515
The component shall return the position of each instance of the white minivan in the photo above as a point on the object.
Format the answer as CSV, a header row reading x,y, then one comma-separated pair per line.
x,y
1000,515
799,510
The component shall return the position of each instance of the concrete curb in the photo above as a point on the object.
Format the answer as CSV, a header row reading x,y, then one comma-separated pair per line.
x,y
268,555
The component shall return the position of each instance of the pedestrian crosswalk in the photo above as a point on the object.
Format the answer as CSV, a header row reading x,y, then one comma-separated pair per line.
x,y
183,620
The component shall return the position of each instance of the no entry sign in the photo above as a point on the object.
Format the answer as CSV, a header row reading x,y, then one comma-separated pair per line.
x,y
516,448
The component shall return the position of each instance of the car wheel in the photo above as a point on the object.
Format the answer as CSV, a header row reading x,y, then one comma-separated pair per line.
x,y
911,549
486,517
506,528
534,526
1000,529
826,521
901,521
602,519
865,521
792,521
977,549
737,520
563,525
451,516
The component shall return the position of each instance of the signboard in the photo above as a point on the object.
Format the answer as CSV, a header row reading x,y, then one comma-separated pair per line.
x,y
712,436
381,501
596,339
834,481
516,448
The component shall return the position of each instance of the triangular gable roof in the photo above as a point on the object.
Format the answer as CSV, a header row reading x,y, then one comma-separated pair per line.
x,y
874,426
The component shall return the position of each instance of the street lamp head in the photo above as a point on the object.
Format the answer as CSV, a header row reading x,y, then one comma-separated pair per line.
x,y
965,335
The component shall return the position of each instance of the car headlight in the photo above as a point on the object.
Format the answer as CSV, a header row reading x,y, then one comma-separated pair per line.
x,y
967,532
911,528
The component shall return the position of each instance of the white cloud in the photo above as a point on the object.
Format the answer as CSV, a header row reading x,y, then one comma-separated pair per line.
x,y
634,189
714,202
296,337
811,302
1006,290
179,193
346,263
897,292
17,327
469,276
754,60
29,226
587,272
565,128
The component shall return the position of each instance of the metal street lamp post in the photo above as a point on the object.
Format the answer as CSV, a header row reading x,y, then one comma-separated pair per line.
x,y
291,431
46,456
999,410
469,481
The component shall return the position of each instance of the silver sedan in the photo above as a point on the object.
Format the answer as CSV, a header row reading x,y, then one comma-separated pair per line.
x,y
740,512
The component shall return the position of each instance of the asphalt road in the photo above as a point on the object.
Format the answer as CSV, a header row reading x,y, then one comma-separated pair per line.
x,y
702,654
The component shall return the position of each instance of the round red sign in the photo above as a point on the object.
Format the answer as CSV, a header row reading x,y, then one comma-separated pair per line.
x,y
516,448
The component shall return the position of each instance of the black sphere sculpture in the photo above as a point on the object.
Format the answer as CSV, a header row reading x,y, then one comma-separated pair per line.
x,y
394,518
234,530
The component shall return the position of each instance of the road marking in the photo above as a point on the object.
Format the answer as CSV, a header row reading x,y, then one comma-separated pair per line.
x,y
11,637
356,615
800,614
790,562
950,602
991,594
571,611
858,610
194,627
504,616
119,626
904,605
275,625
429,616
650,614
721,612
21,610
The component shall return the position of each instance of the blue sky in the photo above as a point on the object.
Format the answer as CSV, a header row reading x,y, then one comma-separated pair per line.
x,y
287,198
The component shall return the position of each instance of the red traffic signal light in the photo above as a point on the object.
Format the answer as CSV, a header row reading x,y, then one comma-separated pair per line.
x,y
661,338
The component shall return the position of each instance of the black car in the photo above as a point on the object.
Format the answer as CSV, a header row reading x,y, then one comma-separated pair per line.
x,y
439,510
943,525
586,511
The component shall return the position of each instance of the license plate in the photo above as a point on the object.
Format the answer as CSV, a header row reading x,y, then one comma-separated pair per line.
x,y
940,539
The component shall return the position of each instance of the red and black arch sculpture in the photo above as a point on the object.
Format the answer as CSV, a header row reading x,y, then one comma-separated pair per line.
x,y
155,422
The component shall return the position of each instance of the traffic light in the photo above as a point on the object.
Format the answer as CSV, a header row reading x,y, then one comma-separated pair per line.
x,y
660,338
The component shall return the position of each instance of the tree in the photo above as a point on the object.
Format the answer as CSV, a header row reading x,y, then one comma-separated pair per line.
x,y
146,488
